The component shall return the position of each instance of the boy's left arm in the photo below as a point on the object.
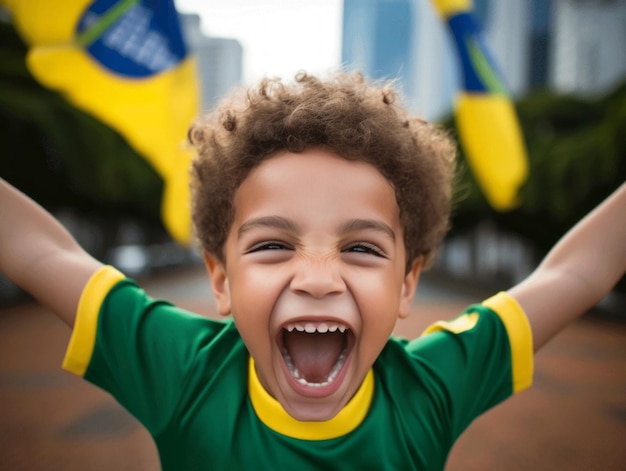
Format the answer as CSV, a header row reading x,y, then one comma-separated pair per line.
x,y
578,272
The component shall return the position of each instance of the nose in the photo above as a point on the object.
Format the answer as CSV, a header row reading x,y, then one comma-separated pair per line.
x,y
317,277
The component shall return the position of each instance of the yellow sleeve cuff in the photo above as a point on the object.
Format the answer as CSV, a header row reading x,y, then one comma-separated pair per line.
x,y
83,339
520,337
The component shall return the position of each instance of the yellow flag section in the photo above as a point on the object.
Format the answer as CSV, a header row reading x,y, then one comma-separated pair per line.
x,y
125,62
486,120
494,146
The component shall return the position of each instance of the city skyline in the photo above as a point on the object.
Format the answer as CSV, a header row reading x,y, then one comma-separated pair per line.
x,y
278,37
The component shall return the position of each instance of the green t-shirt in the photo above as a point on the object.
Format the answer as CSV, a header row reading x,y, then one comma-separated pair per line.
x,y
189,380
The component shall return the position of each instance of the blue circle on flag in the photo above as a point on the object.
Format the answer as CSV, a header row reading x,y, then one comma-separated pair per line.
x,y
133,38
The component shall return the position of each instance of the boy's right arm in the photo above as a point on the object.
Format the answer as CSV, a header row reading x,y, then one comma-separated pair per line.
x,y
40,256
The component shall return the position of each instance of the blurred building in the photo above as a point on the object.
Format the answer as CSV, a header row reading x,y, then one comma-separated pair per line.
x,y
219,60
566,45
569,46
401,39
589,38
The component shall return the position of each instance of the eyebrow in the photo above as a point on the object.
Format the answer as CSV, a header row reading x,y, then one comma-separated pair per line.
x,y
279,222
276,222
367,224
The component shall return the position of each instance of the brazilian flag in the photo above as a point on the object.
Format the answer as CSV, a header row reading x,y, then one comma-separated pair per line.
x,y
125,63
485,116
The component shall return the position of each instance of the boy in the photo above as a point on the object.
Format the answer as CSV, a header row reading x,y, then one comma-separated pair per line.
x,y
316,205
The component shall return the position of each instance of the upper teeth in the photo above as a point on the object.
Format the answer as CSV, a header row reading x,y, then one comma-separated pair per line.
x,y
320,327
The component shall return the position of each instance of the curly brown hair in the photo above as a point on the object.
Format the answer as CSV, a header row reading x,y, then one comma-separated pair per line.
x,y
345,114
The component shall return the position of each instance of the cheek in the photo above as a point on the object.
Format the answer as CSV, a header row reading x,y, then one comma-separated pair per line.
x,y
254,292
379,318
382,287
379,301
251,312
255,279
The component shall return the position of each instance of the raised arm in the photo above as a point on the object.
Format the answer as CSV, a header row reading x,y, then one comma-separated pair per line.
x,y
578,272
40,256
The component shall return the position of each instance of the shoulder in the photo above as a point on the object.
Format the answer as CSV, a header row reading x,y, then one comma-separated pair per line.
x,y
458,369
115,314
494,334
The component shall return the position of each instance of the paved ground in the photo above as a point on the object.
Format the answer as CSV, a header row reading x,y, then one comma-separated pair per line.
x,y
574,418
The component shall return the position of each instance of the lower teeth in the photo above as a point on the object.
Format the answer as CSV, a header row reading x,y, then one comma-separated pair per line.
x,y
331,377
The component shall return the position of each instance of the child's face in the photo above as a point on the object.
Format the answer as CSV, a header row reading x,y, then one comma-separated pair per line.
x,y
316,245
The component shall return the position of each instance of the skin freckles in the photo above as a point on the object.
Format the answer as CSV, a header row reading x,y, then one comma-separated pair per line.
x,y
315,239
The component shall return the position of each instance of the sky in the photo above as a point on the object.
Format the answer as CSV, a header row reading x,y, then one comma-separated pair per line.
x,y
279,37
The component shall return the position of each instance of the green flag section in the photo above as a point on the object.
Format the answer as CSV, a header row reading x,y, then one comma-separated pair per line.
x,y
488,127
125,63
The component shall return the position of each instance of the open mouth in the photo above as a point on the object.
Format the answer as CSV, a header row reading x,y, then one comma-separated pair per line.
x,y
315,352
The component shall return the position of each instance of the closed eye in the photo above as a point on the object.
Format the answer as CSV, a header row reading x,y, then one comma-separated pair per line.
x,y
268,245
365,248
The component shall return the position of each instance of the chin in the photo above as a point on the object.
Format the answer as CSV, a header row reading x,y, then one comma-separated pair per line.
x,y
315,403
313,412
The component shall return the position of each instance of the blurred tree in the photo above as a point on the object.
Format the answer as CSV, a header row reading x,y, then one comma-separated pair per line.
x,y
63,157
577,156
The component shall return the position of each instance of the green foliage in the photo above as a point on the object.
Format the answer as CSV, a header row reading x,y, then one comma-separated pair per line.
x,y
62,156
577,156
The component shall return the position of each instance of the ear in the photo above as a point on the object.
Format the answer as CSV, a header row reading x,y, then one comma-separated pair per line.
x,y
219,282
409,286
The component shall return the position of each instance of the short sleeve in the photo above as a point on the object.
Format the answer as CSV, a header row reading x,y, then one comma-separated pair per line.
x,y
477,360
520,338
139,349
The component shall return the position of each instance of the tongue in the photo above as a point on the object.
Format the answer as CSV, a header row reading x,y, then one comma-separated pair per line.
x,y
314,355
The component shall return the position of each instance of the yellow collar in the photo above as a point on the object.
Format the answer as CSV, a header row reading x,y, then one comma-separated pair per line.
x,y
274,416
